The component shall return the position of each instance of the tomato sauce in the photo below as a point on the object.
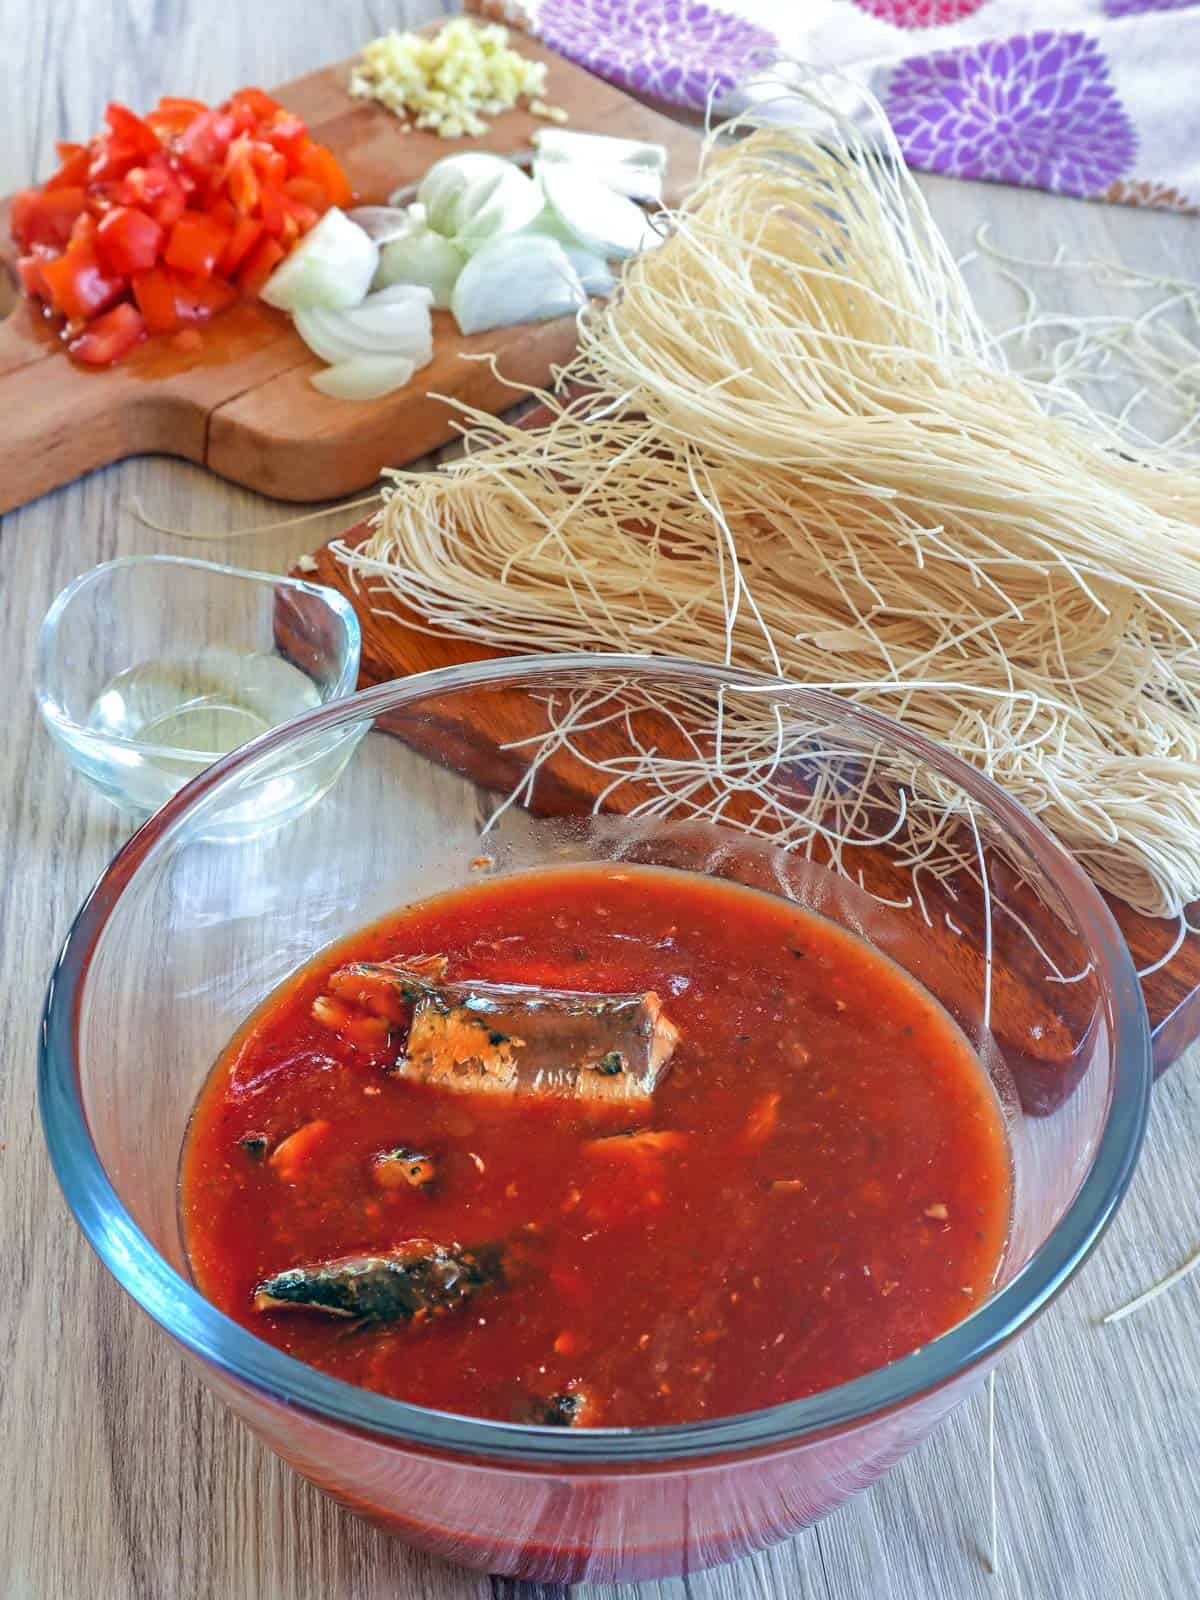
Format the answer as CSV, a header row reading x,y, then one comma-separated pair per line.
x,y
827,1189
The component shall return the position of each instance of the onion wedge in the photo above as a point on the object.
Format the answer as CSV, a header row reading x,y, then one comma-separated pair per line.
x,y
472,197
626,166
364,377
393,324
331,266
516,278
421,257
382,223
593,270
604,223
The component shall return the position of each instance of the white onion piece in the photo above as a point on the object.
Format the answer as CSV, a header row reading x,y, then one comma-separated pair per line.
x,y
399,200
331,266
364,377
516,278
385,325
626,166
593,270
442,188
418,294
603,222
423,257
474,196
382,223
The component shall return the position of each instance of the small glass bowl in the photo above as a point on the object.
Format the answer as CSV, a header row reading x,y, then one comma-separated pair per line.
x,y
150,668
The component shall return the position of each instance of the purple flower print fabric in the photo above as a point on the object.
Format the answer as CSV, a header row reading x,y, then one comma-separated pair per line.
x,y
1037,109
1095,98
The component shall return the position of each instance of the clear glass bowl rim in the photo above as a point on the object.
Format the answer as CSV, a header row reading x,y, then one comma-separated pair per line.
x,y
179,1308
55,714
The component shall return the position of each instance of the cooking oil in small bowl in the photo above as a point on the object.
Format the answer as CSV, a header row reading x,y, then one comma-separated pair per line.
x,y
152,667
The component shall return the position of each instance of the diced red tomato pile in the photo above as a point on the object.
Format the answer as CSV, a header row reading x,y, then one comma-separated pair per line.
x,y
162,221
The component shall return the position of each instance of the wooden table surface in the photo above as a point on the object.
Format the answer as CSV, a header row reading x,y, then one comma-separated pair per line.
x,y
119,1476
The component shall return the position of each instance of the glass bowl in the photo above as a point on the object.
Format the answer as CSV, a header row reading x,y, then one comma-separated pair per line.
x,y
152,667
508,765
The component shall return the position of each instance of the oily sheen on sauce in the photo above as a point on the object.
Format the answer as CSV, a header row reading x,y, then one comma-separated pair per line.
x,y
834,1193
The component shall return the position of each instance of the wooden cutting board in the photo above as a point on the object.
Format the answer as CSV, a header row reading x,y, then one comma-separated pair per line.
x,y
242,404
469,734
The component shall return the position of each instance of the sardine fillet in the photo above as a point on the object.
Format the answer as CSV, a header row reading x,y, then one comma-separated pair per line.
x,y
518,1039
417,1280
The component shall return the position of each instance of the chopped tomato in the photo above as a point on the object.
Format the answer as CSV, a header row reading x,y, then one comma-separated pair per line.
x,y
197,243
154,292
172,114
128,240
29,270
181,103
241,178
268,162
108,338
260,103
130,131
154,189
289,136
101,197
46,216
79,286
320,163
302,217
259,265
270,209
244,120
309,193
83,230
246,234
197,299
187,339
204,141
127,141
170,215
168,299
73,172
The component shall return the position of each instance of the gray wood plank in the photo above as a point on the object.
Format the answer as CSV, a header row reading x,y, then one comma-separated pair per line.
x,y
119,1476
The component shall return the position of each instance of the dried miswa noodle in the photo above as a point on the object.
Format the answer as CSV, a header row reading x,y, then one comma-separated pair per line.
x,y
797,448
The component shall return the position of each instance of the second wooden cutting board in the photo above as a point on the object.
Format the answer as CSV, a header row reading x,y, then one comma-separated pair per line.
x,y
243,404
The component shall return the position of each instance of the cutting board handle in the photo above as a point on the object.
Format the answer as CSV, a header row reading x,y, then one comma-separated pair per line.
x,y
60,420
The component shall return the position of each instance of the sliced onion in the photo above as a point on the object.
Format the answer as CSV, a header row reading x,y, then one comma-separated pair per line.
x,y
394,323
593,270
382,223
442,188
626,166
517,278
474,196
423,257
331,266
419,294
364,377
603,222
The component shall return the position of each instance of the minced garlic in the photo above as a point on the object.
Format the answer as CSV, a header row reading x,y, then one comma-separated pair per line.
x,y
452,80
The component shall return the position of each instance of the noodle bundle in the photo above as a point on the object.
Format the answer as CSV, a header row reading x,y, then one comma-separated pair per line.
x,y
789,443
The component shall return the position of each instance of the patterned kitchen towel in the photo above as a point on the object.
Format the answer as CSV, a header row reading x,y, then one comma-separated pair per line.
x,y
1099,98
